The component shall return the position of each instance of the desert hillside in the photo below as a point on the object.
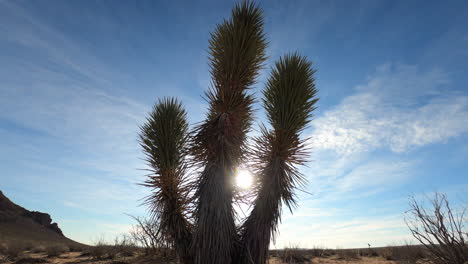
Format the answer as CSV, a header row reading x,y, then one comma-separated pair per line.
x,y
19,225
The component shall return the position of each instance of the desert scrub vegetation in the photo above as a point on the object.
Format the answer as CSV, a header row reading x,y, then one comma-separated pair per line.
x,y
12,250
348,254
38,249
123,246
98,251
147,235
191,171
406,254
56,250
441,229
294,254
77,247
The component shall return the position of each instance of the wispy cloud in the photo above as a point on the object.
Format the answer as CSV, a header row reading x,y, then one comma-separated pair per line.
x,y
356,144
400,108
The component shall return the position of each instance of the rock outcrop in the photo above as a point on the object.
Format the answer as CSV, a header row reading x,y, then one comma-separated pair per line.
x,y
10,211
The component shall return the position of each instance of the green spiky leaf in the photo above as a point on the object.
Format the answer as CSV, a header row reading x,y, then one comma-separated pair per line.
x,y
289,99
163,138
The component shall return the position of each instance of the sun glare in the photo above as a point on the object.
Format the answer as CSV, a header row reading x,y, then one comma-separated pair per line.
x,y
244,179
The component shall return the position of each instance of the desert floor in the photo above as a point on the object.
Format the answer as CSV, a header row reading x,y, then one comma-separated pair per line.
x,y
79,258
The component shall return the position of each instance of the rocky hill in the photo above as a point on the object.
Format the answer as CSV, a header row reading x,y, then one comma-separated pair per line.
x,y
18,224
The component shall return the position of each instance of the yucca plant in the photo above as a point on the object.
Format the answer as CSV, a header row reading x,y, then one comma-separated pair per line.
x,y
197,216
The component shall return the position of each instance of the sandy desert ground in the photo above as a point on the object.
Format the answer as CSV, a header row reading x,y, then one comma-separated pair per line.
x,y
79,257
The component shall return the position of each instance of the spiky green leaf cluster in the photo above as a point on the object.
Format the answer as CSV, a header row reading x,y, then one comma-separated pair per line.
x,y
289,94
289,99
163,138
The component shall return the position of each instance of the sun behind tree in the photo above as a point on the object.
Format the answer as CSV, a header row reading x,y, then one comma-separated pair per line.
x,y
199,218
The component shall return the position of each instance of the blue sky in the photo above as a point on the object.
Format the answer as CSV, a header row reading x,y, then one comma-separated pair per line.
x,y
78,78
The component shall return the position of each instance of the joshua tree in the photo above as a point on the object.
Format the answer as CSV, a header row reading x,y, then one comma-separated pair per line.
x,y
198,216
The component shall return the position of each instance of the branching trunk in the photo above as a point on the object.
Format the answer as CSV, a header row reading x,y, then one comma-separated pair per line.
x,y
442,231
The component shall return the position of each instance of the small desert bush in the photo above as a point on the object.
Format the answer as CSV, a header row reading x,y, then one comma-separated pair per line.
x,y
77,248
14,250
125,246
371,253
56,250
348,254
293,254
99,251
316,252
329,252
386,253
38,249
105,251
406,254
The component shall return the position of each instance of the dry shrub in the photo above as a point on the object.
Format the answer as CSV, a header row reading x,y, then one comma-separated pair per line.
x,y
408,254
293,254
147,235
386,253
99,251
441,229
14,250
112,252
77,248
348,254
38,249
316,252
56,250
372,253
125,246
329,252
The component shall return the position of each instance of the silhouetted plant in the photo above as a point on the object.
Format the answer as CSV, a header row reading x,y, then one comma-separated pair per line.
x,y
197,217
440,229
147,234
293,254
